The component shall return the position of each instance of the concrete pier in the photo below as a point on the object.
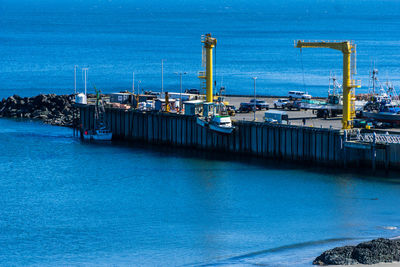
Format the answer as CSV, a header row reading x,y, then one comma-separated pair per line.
x,y
322,146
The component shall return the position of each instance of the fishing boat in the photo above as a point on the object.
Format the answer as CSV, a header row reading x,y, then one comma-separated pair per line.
x,y
218,121
389,113
221,124
100,132
384,105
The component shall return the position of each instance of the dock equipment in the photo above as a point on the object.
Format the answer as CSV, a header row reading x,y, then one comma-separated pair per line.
x,y
348,49
208,43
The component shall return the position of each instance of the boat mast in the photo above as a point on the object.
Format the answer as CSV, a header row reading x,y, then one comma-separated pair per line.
x,y
75,78
374,78
133,83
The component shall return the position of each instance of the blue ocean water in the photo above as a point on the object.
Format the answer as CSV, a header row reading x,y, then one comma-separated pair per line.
x,y
64,202
41,41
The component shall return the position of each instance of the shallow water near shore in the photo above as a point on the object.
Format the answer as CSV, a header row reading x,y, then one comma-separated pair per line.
x,y
65,202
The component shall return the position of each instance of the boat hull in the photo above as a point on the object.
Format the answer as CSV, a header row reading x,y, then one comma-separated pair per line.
x,y
102,137
97,137
219,129
202,122
383,116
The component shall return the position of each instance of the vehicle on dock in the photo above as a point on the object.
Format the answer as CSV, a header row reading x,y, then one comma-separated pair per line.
x,y
298,95
246,107
260,104
333,105
231,110
296,104
280,103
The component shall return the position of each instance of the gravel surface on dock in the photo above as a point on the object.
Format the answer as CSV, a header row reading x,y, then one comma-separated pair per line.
x,y
295,117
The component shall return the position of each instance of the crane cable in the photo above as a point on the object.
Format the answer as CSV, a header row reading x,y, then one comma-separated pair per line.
x,y
302,68
215,68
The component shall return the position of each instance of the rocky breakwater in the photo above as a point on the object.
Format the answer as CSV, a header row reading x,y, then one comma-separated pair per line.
x,y
51,109
371,252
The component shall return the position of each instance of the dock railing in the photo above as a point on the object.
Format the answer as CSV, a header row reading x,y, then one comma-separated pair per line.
x,y
355,135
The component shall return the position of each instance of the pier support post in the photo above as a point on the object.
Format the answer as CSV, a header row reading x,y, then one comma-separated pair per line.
x,y
387,158
373,154
344,149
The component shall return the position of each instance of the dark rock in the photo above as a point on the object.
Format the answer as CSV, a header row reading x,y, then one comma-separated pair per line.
x,y
375,251
372,252
17,97
336,256
52,109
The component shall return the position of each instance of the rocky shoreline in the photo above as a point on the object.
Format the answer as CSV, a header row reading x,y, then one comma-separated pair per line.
x,y
49,108
371,252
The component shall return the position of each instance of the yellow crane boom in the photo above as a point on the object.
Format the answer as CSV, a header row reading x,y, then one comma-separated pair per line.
x,y
347,48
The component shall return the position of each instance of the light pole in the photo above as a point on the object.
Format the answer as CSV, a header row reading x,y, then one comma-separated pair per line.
x,y
180,101
162,77
85,70
255,101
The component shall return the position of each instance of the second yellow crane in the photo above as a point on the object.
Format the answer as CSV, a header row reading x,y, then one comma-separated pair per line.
x,y
347,48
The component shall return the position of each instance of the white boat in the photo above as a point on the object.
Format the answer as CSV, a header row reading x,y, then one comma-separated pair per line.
x,y
221,124
218,121
102,134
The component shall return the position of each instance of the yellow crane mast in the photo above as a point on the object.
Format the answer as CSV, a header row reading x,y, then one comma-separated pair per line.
x,y
209,43
348,49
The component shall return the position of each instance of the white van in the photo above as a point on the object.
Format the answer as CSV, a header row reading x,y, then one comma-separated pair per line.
x,y
298,95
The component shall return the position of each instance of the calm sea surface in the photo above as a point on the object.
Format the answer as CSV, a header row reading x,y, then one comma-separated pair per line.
x,y
41,41
64,202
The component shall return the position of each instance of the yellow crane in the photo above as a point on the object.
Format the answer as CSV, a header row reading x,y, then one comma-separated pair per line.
x,y
208,43
348,49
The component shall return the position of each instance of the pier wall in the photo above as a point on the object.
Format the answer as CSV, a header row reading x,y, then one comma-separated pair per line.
x,y
292,143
